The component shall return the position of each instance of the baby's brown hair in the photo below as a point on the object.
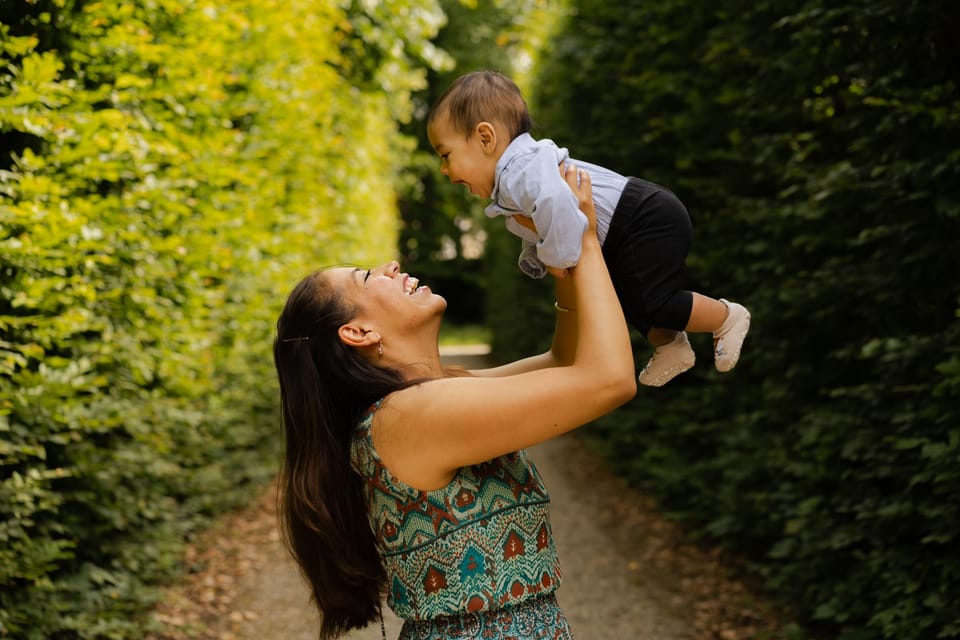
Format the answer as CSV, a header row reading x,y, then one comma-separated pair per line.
x,y
483,96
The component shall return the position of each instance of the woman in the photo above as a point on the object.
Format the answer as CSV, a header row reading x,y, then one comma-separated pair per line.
x,y
401,478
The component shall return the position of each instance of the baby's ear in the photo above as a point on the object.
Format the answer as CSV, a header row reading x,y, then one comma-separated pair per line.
x,y
487,134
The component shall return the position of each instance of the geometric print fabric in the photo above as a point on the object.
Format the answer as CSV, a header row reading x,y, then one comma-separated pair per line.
x,y
479,544
535,619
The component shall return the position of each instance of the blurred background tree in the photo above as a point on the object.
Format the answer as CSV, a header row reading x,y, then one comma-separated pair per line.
x,y
444,233
817,146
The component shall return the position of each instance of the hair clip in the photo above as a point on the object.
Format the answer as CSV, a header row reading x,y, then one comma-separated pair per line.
x,y
295,339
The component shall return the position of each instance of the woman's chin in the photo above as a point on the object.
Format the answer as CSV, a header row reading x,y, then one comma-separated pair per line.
x,y
436,299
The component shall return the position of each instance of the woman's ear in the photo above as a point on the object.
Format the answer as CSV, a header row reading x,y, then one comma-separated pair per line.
x,y
487,134
356,336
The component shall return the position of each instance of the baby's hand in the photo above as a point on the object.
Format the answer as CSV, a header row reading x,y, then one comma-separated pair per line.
x,y
557,273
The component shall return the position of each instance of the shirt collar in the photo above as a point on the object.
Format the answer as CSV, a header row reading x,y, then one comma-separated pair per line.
x,y
517,147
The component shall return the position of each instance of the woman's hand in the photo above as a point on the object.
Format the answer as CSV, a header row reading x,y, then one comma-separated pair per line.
x,y
579,182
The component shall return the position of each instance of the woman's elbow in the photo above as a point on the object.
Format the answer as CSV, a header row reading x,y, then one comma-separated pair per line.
x,y
620,388
623,377
625,388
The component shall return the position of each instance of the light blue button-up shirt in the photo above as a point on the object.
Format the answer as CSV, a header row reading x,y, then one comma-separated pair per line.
x,y
528,182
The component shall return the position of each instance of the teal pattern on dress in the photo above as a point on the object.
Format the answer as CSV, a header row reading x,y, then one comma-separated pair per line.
x,y
535,619
481,543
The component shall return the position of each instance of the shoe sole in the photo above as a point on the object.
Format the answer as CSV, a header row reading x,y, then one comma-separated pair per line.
x,y
666,376
663,377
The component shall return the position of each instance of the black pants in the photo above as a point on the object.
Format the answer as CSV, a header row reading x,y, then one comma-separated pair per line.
x,y
645,251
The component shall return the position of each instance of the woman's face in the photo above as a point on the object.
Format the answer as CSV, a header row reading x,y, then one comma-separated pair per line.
x,y
386,295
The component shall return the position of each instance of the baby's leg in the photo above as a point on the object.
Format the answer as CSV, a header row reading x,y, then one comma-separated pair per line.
x,y
645,250
729,323
658,337
706,314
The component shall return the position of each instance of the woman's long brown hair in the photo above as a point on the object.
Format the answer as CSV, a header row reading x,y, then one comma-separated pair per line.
x,y
325,388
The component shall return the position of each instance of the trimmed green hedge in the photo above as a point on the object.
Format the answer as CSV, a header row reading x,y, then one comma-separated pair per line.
x,y
173,168
816,145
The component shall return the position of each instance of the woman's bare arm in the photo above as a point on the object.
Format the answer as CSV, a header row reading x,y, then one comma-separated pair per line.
x,y
425,433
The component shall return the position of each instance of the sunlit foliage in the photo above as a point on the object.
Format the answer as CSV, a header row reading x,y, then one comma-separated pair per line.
x,y
169,170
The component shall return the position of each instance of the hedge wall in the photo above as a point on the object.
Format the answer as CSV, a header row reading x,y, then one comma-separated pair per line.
x,y
169,170
816,145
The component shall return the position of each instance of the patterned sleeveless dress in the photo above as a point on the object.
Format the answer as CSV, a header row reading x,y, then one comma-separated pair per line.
x,y
474,559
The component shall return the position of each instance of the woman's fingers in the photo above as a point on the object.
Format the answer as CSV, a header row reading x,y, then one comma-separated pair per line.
x,y
579,182
585,191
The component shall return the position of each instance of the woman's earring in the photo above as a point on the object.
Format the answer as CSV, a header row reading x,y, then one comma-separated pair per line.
x,y
380,348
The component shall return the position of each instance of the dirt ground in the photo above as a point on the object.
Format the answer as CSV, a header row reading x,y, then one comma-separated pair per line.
x,y
627,572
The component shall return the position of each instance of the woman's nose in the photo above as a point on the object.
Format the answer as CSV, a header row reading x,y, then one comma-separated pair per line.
x,y
390,269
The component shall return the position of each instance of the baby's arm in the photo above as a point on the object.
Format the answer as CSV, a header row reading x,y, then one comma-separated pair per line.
x,y
551,209
527,222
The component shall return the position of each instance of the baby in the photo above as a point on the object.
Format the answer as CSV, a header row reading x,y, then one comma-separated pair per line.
x,y
480,129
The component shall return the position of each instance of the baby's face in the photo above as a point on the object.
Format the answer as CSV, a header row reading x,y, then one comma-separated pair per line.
x,y
470,161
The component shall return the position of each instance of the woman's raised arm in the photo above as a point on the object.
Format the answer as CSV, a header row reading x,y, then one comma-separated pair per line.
x,y
426,432
565,330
